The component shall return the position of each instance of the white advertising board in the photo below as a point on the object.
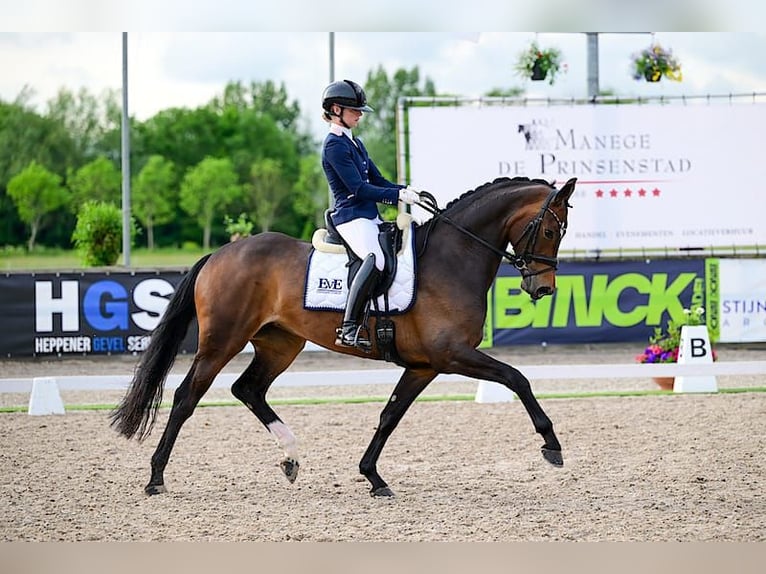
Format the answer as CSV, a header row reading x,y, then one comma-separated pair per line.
x,y
650,176
742,300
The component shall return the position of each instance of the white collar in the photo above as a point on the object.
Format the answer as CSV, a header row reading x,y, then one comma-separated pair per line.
x,y
338,130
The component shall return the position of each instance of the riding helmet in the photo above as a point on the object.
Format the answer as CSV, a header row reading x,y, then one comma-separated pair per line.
x,y
346,94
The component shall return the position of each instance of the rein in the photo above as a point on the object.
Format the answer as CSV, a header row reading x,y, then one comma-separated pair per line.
x,y
520,262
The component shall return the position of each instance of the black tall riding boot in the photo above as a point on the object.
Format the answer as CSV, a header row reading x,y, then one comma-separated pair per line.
x,y
349,334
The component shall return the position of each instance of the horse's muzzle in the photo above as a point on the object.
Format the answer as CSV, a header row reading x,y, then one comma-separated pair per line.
x,y
542,291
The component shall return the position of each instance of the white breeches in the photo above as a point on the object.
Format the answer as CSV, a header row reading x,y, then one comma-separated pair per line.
x,y
361,235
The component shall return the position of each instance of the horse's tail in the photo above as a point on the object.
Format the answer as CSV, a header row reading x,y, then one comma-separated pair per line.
x,y
136,414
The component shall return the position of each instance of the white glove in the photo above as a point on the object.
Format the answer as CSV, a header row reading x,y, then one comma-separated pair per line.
x,y
408,195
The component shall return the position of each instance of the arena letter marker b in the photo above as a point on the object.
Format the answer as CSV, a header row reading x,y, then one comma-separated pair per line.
x,y
695,348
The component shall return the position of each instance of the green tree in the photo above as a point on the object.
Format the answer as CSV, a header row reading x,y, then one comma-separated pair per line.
x,y
267,99
250,136
98,180
25,136
36,192
183,136
98,233
85,117
266,191
152,195
246,124
311,197
378,129
263,98
206,190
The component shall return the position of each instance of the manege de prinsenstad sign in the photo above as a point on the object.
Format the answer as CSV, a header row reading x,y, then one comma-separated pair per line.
x,y
650,176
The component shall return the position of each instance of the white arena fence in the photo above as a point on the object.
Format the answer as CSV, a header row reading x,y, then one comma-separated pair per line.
x,y
391,376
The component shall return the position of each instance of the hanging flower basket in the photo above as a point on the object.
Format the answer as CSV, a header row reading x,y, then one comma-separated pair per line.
x,y
654,62
538,64
538,71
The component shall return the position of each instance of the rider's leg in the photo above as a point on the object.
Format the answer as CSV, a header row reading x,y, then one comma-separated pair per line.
x,y
349,334
361,237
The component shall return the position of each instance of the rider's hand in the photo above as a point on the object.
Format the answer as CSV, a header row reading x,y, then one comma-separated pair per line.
x,y
408,195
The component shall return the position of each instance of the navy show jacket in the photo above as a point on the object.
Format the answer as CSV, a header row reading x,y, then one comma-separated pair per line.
x,y
355,181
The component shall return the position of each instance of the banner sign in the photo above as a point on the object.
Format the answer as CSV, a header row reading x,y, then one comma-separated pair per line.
x,y
596,302
84,313
742,304
650,176
98,313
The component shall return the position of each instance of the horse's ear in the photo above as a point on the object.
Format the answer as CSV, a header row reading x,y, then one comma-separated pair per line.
x,y
563,194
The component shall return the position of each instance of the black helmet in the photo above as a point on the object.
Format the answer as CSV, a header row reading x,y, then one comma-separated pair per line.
x,y
346,94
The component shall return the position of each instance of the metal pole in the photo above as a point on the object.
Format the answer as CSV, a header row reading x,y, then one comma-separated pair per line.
x,y
332,57
401,141
331,200
592,38
125,156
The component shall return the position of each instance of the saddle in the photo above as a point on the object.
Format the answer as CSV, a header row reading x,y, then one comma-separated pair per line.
x,y
390,237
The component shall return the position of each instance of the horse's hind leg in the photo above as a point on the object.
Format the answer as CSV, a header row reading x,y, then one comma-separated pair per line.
x,y
410,385
187,396
275,350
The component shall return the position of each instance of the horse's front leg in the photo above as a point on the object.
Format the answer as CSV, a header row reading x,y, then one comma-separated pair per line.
x,y
410,385
473,363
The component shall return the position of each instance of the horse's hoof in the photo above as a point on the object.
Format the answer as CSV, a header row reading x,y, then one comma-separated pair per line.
x,y
152,489
382,491
553,456
290,467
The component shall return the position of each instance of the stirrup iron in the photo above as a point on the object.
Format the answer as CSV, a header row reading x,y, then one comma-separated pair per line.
x,y
351,336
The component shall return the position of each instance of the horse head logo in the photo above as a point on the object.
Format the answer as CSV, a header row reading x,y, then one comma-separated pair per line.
x,y
534,134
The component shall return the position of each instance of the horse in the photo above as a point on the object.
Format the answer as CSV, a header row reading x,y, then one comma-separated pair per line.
x,y
251,290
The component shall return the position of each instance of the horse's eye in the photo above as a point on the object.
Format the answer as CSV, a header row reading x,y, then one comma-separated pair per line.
x,y
548,234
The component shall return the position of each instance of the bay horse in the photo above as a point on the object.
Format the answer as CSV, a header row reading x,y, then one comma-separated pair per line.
x,y
251,290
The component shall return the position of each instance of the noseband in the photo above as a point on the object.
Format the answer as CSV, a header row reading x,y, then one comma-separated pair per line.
x,y
531,230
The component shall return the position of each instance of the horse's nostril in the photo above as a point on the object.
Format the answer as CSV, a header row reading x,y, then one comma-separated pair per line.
x,y
543,291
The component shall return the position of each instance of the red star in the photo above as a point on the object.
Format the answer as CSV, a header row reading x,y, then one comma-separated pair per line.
x,y
656,192
599,193
613,192
627,193
642,192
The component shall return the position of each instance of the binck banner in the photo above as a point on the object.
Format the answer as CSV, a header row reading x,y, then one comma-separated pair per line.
x,y
625,301
107,313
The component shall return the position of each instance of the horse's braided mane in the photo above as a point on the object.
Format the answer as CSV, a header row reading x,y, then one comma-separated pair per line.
x,y
425,228
515,182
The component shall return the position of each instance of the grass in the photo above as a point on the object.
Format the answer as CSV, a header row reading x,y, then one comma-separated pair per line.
x,y
16,259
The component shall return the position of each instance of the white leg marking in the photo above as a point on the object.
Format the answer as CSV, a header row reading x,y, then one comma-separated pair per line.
x,y
285,438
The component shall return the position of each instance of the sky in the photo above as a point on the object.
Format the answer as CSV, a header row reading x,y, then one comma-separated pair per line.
x,y
187,69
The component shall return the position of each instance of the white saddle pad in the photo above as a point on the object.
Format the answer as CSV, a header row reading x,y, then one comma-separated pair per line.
x,y
327,280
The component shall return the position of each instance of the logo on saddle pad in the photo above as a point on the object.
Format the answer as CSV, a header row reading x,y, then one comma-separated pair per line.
x,y
327,280
328,285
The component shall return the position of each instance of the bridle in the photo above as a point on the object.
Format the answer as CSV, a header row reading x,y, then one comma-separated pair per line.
x,y
531,230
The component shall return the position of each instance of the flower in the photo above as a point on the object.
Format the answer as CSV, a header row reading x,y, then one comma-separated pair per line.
x,y
539,64
663,345
652,63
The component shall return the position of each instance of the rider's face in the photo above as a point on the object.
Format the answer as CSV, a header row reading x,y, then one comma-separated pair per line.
x,y
351,117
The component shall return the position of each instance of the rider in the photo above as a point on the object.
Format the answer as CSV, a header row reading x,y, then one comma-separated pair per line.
x,y
357,186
